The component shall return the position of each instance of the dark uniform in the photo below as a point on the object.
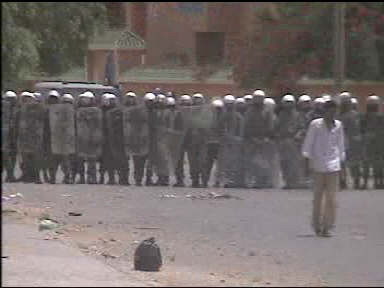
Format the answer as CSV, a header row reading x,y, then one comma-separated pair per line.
x,y
51,160
258,129
107,162
89,160
213,146
231,149
10,151
288,133
372,124
353,143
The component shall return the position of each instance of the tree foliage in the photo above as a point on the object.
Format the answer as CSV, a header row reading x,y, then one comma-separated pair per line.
x,y
299,42
49,37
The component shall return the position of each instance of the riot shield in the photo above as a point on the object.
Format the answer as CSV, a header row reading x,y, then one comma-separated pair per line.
x,y
257,164
231,160
5,125
135,130
115,132
31,127
169,149
89,134
62,128
197,116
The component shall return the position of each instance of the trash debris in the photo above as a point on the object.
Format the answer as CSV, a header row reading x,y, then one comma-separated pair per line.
x,y
213,195
147,256
251,253
74,214
4,198
147,228
4,257
66,195
107,255
8,211
48,224
222,196
99,222
222,281
168,196
44,216
16,195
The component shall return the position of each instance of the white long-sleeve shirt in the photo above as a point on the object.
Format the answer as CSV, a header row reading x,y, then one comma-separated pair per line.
x,y
324,146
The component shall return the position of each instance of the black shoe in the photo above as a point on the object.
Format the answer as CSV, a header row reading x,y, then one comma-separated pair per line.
x,y
149,183
195,185
38,181
124,183
46,178
28,180
20,179
81,181
179,184
52,181
138,184
91,180
326,233
10,179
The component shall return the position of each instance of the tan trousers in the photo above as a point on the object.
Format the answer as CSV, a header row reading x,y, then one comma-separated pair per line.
x,y
324,203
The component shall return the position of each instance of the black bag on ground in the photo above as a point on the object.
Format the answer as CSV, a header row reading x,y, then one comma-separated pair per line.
x,y
148,256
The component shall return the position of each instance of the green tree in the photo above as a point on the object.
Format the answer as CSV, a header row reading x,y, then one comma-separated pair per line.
x,y
299,41
19,49
49,37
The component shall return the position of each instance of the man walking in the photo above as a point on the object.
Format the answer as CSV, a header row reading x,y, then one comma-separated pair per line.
x,y
324,148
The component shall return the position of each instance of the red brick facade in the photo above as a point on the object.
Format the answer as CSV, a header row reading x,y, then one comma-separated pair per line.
x,y
97,59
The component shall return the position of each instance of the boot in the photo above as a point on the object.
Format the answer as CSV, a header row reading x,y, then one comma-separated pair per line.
x,y
10,178
66,179
179,183
356,184
163,181
81,180
101,180
148,182
111,179
91,179
195,183
45,176
21,178
52,180
36,177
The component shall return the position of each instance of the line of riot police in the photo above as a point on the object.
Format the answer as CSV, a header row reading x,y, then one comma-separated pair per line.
x,y
251,142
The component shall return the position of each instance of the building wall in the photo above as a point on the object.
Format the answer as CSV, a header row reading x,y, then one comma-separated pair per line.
x,y
97,59
171,27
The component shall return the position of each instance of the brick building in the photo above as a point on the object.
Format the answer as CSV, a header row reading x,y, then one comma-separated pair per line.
x,y
169,44
175,34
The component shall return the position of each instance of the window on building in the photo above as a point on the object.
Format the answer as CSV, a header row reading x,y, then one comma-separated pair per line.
x,y
209,47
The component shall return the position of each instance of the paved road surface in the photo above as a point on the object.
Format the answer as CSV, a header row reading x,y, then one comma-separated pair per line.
x,y
263,238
